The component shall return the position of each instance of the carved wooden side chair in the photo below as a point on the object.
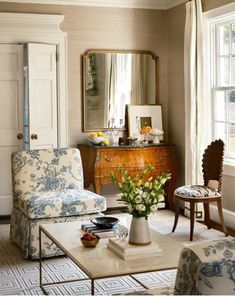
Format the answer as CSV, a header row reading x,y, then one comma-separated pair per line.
x,y
212,166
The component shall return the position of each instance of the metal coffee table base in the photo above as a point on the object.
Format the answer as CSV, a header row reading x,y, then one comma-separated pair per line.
x,y
43,285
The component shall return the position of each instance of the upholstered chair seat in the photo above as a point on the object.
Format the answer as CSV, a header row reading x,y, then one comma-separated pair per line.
x,y
61,203
48,188
197,191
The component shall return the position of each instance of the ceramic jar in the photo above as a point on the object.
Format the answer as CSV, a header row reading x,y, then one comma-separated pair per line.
x,y
139,232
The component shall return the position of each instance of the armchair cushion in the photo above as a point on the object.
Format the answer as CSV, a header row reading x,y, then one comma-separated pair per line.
x,y
61,203
197,191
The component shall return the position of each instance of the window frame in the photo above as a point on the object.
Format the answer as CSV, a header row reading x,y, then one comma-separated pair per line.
x,y
213,20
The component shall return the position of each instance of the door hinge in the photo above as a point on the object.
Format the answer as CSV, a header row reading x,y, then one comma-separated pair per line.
x,y
57,56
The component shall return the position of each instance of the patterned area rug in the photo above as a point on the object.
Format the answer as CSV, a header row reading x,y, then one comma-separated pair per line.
x,y
21,277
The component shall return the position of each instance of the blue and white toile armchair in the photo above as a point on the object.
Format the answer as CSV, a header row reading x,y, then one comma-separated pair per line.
x,y
204,268
48,188
207,268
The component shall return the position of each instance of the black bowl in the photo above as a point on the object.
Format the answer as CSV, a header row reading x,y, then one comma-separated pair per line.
x,y
105,222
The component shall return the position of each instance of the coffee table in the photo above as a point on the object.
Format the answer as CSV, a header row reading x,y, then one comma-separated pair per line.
x,y
101,262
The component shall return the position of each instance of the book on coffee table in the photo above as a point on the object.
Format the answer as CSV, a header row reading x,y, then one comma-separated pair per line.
x,y
126,251
101,232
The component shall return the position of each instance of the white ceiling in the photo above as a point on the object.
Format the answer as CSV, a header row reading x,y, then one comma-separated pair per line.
x,y
149,4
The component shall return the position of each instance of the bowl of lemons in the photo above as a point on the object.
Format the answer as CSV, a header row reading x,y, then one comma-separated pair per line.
x,y
97,138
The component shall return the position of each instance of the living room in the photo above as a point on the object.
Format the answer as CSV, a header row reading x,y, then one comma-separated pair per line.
x,y
156,27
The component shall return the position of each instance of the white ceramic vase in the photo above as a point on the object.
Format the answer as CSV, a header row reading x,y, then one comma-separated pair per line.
x,y
139,234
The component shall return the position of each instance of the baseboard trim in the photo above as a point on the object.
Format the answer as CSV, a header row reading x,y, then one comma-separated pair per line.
x,y
229,216
5,219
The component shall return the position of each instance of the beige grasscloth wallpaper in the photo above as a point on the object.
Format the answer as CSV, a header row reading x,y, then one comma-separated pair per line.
x,y
121,28
110,28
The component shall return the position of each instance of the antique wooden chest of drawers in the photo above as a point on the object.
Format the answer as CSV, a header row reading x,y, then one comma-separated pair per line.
x,y
100,161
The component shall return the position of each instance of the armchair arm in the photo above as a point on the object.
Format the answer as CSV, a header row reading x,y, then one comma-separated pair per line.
x,y
207,268
187,273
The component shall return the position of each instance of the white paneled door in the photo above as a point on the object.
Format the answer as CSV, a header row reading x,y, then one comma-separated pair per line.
x,y
40,90
11,116
42,96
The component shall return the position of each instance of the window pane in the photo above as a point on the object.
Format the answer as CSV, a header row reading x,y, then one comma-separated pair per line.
x,y
220,106
224,77
224,39
233,38
220,131
233,71
231,106
231,139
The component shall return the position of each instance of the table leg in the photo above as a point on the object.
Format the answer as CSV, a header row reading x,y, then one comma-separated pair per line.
x,y
40,262
40,256
92,287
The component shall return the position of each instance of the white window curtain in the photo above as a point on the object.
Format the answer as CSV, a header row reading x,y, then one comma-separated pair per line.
x,y
118,86
139,85
197,110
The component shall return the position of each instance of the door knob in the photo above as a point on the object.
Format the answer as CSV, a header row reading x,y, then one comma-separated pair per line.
x,y
34,136
20,136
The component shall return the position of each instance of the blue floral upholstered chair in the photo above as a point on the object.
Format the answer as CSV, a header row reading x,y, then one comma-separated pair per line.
x,y
207,268
48,188
204,268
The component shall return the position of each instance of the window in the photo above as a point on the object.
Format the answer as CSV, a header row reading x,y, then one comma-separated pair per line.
x,y
223,84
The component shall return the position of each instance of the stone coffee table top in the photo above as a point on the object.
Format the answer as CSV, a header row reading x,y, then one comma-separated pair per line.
x,y
101,262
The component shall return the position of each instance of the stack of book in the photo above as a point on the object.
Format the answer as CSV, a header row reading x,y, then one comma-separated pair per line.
x,y
101,232
126,251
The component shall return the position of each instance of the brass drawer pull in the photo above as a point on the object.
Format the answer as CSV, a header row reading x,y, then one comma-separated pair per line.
x,y
108,159
106,175
163,156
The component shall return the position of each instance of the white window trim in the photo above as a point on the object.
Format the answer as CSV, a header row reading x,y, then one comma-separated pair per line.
x,y
223,13
219,13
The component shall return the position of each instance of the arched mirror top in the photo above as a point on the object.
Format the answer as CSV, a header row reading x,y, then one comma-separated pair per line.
x,y
113,79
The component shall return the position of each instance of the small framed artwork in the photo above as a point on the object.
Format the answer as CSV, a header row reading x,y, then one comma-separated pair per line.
x,y
143,115
145,121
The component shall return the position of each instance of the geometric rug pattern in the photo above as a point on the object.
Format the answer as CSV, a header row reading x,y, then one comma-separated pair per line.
x,y
21,277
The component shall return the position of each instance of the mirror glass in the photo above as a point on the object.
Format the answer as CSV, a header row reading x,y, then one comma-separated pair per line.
x,y
113,79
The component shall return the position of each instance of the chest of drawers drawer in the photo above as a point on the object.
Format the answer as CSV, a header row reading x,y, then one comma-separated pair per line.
x,y
100,162
132,158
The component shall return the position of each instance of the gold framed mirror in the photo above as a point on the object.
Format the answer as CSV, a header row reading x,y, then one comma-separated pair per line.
x,y
113,79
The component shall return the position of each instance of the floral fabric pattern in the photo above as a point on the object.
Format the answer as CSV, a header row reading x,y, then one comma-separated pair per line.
x,y
207,268
25,233
204,268
197,191
50,170
61,203
48,188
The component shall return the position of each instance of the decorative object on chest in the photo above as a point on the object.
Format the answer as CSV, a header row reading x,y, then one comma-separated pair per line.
x,y
100,161
145,123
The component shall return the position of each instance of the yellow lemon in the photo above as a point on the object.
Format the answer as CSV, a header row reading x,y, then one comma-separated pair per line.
x,y
106,142
100,134
93,135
